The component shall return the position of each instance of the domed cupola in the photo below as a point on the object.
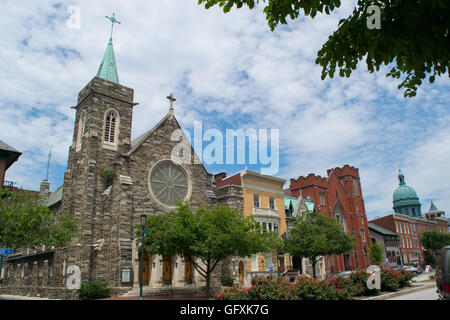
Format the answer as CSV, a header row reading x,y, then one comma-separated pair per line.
x,y
405,199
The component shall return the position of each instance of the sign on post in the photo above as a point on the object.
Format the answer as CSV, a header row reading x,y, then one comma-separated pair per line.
x,y
6,251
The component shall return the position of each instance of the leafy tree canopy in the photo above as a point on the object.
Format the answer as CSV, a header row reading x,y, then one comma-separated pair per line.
x,y
376,253
25,222
317,235
209,235
413,35
434,240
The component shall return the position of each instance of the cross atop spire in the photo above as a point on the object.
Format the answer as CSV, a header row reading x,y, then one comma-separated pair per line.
x,y
171,99
108,68
113,20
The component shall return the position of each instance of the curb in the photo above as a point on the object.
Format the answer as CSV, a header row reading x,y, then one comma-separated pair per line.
x,y
12,297
401,293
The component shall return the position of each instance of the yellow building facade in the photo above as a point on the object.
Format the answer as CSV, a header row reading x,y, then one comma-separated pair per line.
x,y
264,201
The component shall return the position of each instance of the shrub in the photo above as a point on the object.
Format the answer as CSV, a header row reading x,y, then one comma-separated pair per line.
x,y
93,290
281,289
404,277
270,289
389,279
359,279
344,287
235,292
432,276
227,281
312,289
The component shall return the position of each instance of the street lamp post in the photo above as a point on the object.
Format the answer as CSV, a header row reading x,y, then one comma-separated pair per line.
x,y
278,260
143,224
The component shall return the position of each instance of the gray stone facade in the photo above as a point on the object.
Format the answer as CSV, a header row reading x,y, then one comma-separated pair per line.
x,y
110,208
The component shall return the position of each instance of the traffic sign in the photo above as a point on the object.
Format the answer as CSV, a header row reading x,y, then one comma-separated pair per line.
x,y
6,251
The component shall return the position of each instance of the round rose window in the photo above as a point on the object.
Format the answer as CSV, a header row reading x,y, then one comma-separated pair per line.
x,y
168,183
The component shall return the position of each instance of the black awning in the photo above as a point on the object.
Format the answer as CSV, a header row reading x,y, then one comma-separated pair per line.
x,y
38,255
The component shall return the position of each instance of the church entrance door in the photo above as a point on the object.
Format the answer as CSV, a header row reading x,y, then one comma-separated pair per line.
x,y
146,270
188,271
241,272
167,270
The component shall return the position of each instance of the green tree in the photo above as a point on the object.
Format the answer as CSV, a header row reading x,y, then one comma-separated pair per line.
x,y
376,253
207,236
25,222
317,235
413,36
434,240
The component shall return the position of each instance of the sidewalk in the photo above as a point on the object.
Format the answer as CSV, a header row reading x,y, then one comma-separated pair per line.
x,y
422,282
197,296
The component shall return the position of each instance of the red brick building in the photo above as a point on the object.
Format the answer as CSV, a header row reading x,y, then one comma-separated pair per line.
x,y
409,230
8,155
340,195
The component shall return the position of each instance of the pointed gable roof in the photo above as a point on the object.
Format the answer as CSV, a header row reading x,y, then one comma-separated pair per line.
x,y
9,153
108,69
136,143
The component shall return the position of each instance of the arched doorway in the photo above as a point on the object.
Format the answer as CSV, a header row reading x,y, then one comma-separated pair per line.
x,y
188,270
167,270
241,272
146,270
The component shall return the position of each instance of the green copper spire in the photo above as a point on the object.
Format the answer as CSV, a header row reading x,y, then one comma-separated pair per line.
x,y
108,69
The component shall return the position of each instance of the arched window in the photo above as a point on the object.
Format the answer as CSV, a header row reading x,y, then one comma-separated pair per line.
x,y
110,134
81,129
340,216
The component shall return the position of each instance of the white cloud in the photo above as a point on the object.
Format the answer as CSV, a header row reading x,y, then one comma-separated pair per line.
x,y
222,68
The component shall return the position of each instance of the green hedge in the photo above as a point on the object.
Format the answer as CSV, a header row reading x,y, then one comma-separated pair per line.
x,y
335,288
94,290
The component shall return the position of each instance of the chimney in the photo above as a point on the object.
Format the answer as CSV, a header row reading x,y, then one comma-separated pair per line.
x,y
220,176
44,190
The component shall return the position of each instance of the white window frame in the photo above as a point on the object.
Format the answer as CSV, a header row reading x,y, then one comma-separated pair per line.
x,y
272,200
108,144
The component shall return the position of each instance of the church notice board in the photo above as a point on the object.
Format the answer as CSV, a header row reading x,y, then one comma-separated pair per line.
x,y
126,275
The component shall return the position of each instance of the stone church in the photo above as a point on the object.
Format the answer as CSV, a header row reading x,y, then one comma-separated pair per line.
x,y
111,180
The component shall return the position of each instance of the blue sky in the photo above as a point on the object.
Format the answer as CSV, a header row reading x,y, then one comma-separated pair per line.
x,y
228,71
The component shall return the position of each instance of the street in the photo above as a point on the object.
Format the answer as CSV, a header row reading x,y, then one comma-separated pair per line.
x,y
427,294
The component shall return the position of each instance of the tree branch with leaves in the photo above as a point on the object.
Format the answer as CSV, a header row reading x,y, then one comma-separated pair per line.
x,y
414,36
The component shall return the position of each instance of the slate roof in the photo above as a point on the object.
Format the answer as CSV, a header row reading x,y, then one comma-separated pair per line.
x,y
381,230
433,209
4,146
12,154
55,196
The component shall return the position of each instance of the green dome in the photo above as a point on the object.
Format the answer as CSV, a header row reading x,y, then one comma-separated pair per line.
x,y
405,199
405,192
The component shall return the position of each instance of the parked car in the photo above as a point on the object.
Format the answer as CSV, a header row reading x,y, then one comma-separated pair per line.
x,y
395,266
344,274
415,270
443,274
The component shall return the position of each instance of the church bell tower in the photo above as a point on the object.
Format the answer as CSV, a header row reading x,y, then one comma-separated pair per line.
x,y
102,135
